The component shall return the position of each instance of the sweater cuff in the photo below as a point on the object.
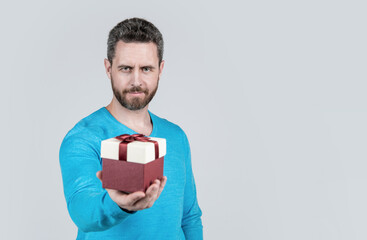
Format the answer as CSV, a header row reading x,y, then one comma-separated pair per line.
x,y
128,211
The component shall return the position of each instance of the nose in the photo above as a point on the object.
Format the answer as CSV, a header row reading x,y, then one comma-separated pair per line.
x,y
136,78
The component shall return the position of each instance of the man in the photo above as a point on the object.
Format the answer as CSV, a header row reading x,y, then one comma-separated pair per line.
x,y
169,208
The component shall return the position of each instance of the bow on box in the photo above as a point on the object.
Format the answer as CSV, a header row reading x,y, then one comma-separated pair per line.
x,y
126,139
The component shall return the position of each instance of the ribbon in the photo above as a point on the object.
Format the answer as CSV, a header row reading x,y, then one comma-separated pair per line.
x,y
126,139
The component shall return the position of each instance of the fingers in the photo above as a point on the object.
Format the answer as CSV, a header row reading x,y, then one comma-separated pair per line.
x,y
151,196
137,200
99,175
152,193
126,200
163,183
132,198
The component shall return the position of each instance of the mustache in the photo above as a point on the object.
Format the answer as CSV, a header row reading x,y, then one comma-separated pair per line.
x,y
136,89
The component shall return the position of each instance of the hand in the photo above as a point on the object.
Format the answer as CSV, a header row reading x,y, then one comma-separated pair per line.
x,y
136,200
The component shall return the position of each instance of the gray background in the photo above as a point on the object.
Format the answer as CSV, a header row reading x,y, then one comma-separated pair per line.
x,y
270,93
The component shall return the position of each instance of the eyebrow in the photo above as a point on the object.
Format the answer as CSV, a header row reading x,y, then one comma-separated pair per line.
x,y
123,65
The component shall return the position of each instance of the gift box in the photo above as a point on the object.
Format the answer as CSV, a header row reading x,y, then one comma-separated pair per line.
x,y
131,163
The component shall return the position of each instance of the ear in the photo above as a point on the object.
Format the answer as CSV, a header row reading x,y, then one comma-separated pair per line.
x,y
161,68
107,66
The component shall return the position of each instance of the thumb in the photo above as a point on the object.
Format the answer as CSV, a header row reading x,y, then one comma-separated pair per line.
x,y
99,175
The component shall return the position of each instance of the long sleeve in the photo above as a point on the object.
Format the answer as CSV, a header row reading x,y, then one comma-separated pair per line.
x,y
191,220
89,205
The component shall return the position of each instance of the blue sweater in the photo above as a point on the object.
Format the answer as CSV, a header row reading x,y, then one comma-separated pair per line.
x,y
176,213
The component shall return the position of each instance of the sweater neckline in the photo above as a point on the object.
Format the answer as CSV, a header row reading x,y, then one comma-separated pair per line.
x,y
112,118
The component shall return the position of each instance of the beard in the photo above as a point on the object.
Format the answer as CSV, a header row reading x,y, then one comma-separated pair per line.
x,y
135,103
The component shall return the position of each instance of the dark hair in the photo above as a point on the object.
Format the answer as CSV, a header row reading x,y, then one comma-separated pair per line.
x,y
134,30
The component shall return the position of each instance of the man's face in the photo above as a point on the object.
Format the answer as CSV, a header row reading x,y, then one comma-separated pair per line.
x,y
134,74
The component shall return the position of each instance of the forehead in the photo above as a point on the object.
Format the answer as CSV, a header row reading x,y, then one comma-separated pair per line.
x,y
136,53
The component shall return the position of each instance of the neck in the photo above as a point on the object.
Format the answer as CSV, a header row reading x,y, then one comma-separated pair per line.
x,y
137,120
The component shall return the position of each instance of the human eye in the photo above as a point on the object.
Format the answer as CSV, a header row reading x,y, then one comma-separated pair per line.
x,y
146,69
125,69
